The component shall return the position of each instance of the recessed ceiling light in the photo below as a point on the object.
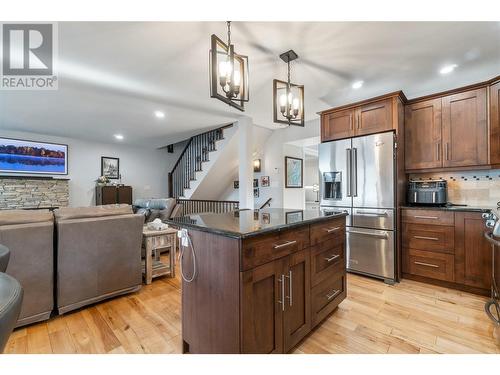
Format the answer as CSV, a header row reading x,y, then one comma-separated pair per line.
x,y
357,84
159,114
448,68
119,137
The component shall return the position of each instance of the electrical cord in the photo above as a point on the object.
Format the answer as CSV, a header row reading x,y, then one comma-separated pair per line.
x,y
181,258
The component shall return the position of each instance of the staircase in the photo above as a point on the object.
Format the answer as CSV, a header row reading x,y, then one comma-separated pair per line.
x,y
196,159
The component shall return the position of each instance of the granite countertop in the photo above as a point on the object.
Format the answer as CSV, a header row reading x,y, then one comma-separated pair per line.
x,y
450,208
248,223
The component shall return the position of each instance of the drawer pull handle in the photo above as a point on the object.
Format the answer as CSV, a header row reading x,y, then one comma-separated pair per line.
x,y
281,280
333,295
332,258
367,213
290,282
426,217
330,230
427,264
288,243
426,238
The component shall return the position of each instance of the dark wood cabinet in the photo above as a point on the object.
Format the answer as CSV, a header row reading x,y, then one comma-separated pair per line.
x,y
495,124
337,125
297,314
465,129
276,309
262,308
374,117
113,195
367,117
473,258
256,294
423,148
449,247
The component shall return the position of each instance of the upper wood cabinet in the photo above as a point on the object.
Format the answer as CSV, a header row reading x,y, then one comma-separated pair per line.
x,y
495,123
423,135
465,129
447,131
362,118
374,117
337,125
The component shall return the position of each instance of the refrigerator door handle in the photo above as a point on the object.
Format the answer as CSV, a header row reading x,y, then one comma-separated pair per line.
x,y
354,172
348,171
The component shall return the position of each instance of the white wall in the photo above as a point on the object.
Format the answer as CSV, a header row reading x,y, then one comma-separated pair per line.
x,y
145,169
273,165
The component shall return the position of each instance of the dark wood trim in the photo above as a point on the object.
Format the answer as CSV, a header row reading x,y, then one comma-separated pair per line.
x,y
457,90
24,177
447,284
452,169
301,173
399,94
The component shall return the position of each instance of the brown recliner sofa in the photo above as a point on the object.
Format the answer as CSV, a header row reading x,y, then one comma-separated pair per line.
x,y
29,236
98,254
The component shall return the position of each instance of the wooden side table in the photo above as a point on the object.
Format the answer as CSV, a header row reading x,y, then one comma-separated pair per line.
x,y
153,241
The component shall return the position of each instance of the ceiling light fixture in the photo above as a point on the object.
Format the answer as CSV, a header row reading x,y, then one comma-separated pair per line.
x,y
357,84
159,114
448,68
228,72
288,98
119,137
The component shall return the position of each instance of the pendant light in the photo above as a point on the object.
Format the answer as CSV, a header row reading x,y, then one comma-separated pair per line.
x,y
288,98
228,72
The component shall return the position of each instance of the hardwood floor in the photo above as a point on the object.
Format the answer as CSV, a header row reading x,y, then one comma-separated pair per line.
x,y
409,317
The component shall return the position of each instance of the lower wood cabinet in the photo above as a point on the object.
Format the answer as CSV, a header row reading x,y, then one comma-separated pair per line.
x,y
450,248
276,307
264,293
111,194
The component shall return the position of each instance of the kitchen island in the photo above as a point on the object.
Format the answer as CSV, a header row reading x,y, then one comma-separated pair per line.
x,y
262,280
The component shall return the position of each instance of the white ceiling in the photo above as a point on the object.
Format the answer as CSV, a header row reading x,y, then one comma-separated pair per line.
x,y
114,75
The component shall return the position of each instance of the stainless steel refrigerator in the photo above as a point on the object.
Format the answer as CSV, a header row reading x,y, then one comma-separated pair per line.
x,y
358,175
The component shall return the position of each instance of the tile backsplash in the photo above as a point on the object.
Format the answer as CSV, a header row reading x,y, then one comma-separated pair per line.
x,y
474,188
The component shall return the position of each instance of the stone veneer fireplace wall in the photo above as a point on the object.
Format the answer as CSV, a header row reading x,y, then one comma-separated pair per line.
x,y
33,192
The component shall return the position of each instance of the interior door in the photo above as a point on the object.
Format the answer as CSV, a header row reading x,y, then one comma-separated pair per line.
x,y
337,125
374,117
262,307
335,176
373,171
423,147
297,316
465,129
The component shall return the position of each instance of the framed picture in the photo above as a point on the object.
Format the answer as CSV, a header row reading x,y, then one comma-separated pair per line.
x,y
266,218
264,181
110,167
236,184
293,172
294,217
23,156
256,192
255,182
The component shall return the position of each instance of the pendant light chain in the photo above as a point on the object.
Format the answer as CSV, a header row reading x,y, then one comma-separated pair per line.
x,y
228,33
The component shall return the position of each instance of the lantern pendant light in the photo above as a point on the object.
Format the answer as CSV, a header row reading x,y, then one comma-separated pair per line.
x,y
228,72
288,98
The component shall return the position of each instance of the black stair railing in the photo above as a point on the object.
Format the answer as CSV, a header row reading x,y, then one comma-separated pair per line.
x,y
190,161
